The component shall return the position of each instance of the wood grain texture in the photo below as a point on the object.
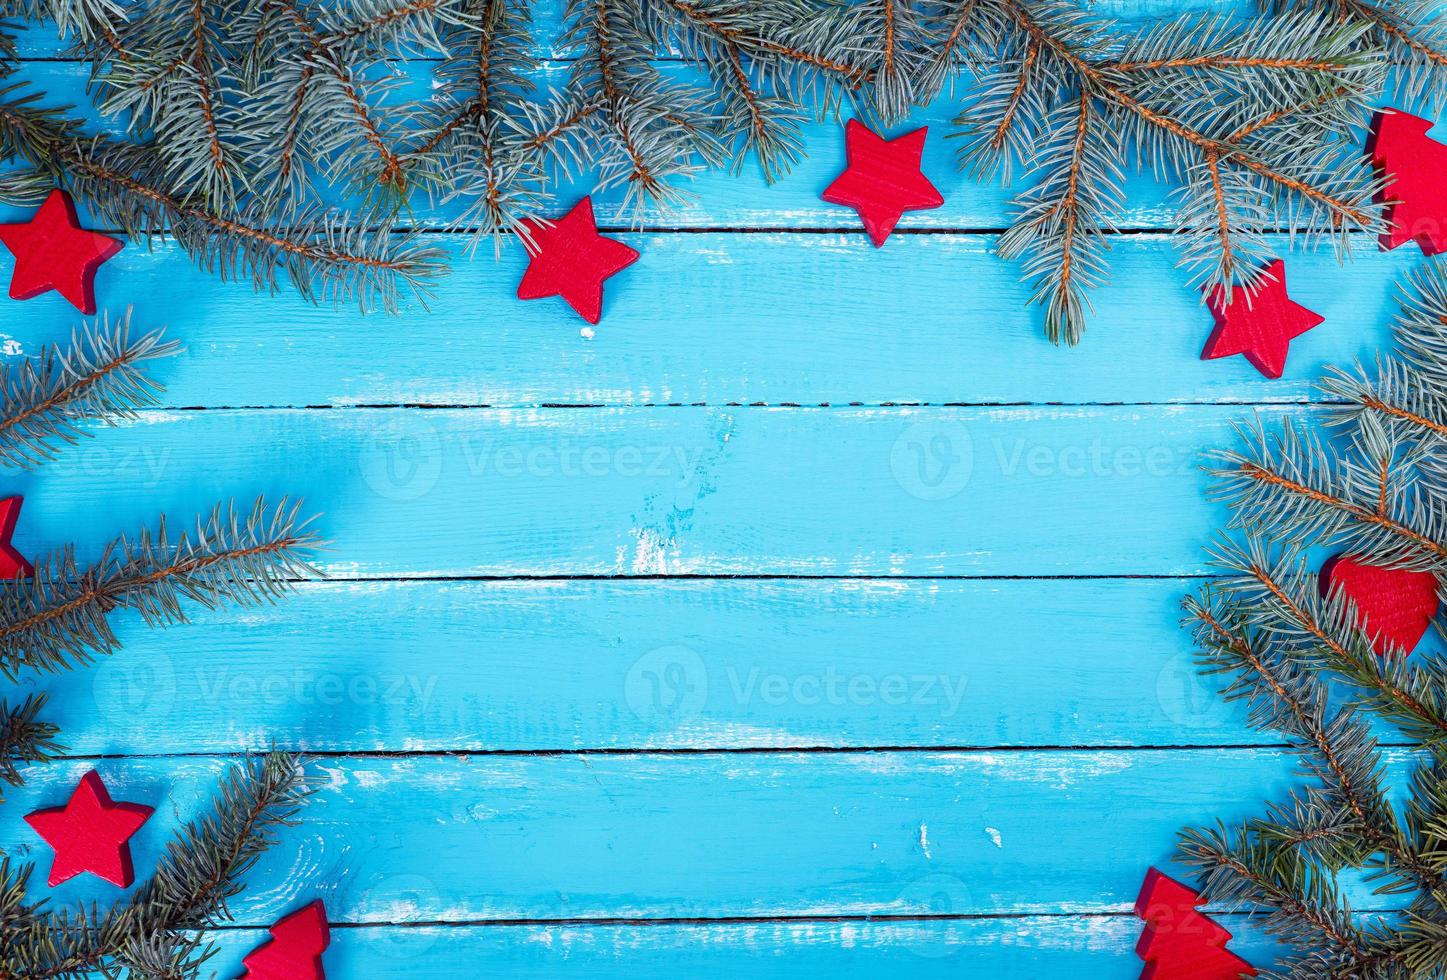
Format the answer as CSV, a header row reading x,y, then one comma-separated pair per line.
x,y
676,664
1078,947
858,492
466,838
719,318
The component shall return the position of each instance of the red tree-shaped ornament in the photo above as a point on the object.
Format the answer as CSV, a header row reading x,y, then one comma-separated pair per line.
x,y
52,251
1413,167
1395,606
294,951
1178,942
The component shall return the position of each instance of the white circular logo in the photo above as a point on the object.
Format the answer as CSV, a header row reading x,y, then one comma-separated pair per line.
x,y
402,459
130,688
932,460
668,686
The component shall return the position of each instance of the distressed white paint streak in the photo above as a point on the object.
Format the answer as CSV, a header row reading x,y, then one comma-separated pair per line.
x,y
650,553
994,836
924,841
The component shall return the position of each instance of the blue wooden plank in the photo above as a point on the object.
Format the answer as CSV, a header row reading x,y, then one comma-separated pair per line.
x,y
1079,947
449,666
729,318
463,838
859,492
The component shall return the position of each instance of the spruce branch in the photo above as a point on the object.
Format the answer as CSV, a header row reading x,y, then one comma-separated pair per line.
x,y
168,71
198,874
618,116
759,90
1369,484
1060,230
1412,33
471,143
44,400
24,740
59,618
1324,631
1293,488
312,96
1346,821
1308,912
1207,104
123,184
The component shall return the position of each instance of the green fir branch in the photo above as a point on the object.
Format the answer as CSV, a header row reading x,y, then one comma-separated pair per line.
x,y
45,400
1369,485
123,185
25,740
60,618
152,933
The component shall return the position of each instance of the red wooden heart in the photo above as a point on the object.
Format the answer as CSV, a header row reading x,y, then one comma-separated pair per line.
x,y
1394,605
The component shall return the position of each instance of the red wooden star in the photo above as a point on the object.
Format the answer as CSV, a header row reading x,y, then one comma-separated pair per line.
x,y
294,951
1259,325
12,563
90,833
1414,189
570,259
52,251
883,179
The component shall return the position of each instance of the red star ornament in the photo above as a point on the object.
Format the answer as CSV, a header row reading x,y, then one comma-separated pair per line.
x,y
570,259
1394,606
294,951
1414,168
12,563
52,251
90,833
883,179
1260,326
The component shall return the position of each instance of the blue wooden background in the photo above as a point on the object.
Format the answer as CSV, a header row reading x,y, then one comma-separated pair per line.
x,y
814,618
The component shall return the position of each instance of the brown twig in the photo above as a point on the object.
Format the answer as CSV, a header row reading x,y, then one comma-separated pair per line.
x,y
1012,105
855,76
105,596
202,65
323,53
1223,218
1262,475
64,393
1227,61
1072,191
1397,412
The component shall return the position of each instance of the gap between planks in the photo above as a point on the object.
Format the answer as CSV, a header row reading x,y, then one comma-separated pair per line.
x,y
468,754
1298,403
